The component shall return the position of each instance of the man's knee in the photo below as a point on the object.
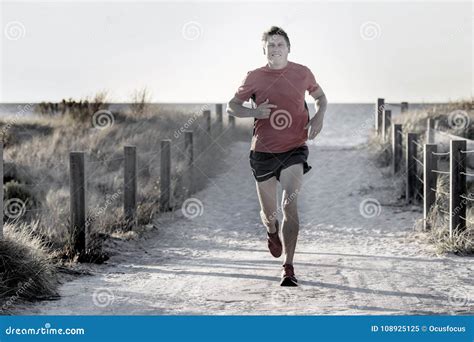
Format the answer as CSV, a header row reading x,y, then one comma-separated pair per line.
x,y
289,200
290,208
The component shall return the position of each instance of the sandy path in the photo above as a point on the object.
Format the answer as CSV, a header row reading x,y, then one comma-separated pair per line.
x,y
217,263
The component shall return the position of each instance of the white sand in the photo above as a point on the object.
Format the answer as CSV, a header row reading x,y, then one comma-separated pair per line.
x,y
217,263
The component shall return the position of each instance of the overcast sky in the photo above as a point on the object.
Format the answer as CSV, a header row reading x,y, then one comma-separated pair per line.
x,y
201,51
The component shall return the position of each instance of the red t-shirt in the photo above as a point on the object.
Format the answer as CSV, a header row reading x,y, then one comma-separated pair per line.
x,y
284,129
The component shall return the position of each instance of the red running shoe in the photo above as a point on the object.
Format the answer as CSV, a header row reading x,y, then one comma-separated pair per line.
x,y
274,242
288,276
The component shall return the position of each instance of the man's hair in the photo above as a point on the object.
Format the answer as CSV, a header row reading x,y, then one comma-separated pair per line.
x,y
275,30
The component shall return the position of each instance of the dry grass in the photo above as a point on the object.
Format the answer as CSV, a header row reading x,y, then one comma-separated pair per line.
x,y
77,111
461,242
455,118
38,167
26,269
36,181
381,151
140,101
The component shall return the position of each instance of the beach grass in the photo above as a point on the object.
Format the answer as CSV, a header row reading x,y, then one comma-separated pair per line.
x,y
27,270
36,174
457,118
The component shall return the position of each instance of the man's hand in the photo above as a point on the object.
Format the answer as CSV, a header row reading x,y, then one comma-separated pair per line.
x,y
263,110
315,125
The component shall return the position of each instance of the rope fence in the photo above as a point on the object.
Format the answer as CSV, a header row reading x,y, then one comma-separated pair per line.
x,y
79,224
406,149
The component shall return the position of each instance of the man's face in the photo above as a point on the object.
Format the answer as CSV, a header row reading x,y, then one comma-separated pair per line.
x,y
276,49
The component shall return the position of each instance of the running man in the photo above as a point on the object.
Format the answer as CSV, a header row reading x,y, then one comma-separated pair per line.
x,y
278,151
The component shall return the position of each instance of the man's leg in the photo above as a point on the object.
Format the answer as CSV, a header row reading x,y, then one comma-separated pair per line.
x,y
266,191
291,179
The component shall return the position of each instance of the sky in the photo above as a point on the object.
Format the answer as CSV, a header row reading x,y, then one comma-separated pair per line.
x,y
200,52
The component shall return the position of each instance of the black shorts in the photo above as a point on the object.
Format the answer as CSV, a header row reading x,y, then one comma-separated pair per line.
x,y
265,165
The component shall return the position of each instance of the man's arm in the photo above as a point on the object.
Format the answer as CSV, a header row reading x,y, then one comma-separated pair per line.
x,y
316,122
235,108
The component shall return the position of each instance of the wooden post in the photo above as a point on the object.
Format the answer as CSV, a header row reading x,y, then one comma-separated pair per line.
x,y
418,154
429,131
219,117
1,192
379,107
231,121
130,186
396,147
189,158
430,163
457,181
410,165
404,107
386,121
207,121
165,175
77,194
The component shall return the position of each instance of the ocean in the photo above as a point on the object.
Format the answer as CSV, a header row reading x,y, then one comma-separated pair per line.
x,y
344,124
